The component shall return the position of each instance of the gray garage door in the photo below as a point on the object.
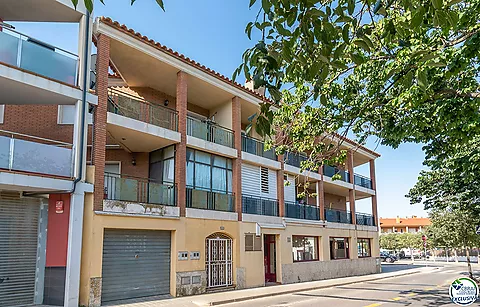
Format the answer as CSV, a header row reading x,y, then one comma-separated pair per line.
x,y
136,263
18,250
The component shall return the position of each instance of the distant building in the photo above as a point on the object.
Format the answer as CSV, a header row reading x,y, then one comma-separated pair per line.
x,y
409,224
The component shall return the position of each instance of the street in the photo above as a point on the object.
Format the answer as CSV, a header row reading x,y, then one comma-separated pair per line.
x,y
423,289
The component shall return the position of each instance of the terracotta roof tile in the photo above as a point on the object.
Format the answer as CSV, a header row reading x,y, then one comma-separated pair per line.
x,y
417,221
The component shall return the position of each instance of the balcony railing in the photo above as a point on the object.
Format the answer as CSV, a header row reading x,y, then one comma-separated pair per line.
x,y
365,219
138,190
209,131
208,200
295,159
330,171
338,216
259,205
257,147
27,53
363,181
25,153
136,108
302,211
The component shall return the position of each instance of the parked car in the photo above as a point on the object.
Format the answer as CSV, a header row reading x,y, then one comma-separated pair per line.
x,y
386,257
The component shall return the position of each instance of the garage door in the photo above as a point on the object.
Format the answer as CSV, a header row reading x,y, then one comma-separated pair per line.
x,y
136,263
18,250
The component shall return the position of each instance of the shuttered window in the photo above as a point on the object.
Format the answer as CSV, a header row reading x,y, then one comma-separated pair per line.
x,y
253,242
264,179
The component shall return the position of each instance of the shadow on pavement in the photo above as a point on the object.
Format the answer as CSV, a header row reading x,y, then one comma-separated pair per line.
x,y
360,299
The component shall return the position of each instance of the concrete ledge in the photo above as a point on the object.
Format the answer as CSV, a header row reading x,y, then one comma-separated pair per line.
x,y
364,190
337,182
211,214
304,222
340,225
295,170
263,219
257,160
211,147
33,183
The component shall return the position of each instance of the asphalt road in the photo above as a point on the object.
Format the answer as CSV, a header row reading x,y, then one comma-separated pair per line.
x,y
413,290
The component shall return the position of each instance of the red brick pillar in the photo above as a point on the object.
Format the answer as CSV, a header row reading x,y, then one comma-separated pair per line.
x,y
321,194
100,120
374,187
281,187
351,192
181,148
237,163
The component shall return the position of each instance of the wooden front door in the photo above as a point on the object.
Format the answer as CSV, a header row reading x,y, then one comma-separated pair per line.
x,y
269,250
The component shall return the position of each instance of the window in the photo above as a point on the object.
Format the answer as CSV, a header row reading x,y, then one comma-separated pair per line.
x,y
304,248
208,172
2,113
363,246
66,115
162,165
253,242
339,248
264,179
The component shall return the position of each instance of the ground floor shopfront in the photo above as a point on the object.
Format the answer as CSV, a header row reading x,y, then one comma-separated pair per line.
x,y
131,256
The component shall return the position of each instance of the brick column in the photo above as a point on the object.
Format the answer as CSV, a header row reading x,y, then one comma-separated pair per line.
x,y
374,187
321,195
281,187
100,120
181,148
351,193
237,163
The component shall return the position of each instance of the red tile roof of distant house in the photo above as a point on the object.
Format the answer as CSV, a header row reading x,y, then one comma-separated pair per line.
x,y
402,222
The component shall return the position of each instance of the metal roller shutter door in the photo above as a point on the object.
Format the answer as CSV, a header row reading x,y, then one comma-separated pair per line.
x,y
136,263
18,250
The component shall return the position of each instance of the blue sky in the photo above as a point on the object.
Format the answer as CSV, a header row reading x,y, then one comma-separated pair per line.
x,y
212,33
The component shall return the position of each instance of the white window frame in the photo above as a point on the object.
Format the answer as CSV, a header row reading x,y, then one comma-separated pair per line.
x,y
2,113
59,116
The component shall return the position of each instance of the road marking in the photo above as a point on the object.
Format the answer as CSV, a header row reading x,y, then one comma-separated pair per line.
x,y
374,305
411,294
429,289
396,298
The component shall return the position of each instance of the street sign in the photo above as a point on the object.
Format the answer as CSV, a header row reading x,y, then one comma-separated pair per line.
x,y
477,230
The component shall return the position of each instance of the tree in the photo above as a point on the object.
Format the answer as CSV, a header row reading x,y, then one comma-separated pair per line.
x,y
89,3
411,241
390,241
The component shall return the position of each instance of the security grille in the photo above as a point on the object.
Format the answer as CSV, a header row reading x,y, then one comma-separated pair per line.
x,y
219,261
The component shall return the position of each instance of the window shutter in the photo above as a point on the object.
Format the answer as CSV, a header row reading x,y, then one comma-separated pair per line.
x,y
257,246
264,179
249,242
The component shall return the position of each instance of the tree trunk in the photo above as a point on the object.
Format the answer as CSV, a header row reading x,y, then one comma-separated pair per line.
x,y
470,273
455,254
411,254
446,253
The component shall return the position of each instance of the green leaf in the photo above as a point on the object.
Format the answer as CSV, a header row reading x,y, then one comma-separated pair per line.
x,y
248,129
351,6
437,4
89,5
248,30
436,64
323,58
345,32
160,3
422,79
266,5
75,3
252,2
417,17
427,57
252,117
362,44
357,59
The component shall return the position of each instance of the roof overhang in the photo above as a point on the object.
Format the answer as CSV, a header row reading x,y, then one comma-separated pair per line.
x,y
41,10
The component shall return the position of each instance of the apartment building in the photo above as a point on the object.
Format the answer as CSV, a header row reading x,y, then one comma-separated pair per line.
x,y
412,224
185,203
42,168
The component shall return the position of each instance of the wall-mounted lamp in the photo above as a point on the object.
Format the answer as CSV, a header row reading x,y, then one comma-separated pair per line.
x,y
134,161
166,102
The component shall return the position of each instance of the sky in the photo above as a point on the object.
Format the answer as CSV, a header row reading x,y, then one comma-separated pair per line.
x,y
212,33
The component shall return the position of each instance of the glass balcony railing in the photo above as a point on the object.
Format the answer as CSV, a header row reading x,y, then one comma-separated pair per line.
x,y
363,181
24,153
257,147
302,211
138,190
259,205
136,108
209,200
365,219
209,131
27,53
295,159
338,216
330,171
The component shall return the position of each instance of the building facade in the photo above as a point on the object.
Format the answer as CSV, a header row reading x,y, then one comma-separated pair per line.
x,y
404,225
42,164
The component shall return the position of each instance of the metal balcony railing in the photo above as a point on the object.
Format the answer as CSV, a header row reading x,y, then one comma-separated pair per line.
x,y
209,200
338,216
330,171
363,181
257,147
209,131
295,159
260,206
22,51
302,211
365,219
133,107
139,190
26,153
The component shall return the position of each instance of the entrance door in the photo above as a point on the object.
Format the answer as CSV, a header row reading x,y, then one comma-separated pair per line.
x,y
269,250
219,261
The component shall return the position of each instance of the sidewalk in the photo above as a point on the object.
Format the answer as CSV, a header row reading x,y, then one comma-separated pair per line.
x,y
254,293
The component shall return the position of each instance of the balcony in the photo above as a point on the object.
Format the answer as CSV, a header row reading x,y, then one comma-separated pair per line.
x,y
141,110
363,181
295,159
24,153
129,194
209,200
259,205
302,211
257,147
209,131
365,219
338,216
331,171
19,50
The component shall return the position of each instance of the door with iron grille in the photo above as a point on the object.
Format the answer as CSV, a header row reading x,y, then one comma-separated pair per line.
x,y
218,257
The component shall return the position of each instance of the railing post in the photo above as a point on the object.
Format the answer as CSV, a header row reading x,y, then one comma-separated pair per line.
x,y
12,148
19,51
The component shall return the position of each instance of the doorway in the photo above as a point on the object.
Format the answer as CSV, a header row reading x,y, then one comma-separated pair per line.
x,y
270,256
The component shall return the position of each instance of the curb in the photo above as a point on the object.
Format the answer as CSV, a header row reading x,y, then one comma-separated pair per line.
x,y
242,299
